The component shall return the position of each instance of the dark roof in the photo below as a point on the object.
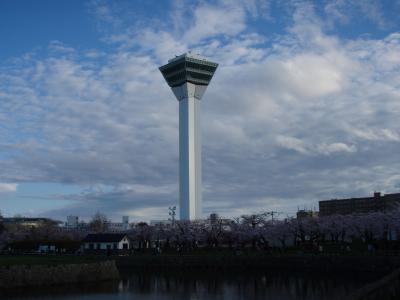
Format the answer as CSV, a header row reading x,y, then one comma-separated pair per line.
x,y
187,68
378,197
104,237
391,196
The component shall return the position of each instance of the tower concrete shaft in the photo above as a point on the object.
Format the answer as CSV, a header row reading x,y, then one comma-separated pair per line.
x,y
190,159
188,75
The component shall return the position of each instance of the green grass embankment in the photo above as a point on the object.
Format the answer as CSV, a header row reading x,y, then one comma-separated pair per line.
x,y
317,263
50,260
47,272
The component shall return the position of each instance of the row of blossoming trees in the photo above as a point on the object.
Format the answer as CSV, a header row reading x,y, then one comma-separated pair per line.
x,y
257,231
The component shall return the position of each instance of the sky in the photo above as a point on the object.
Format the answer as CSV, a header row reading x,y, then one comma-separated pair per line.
x,y
304,105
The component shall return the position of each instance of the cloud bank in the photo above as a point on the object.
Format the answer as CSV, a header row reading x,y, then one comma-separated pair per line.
x,y
292,117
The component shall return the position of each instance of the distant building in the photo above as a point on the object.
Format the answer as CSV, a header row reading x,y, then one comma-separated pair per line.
x,y
125,222
214,218
216,222
72,222
115,227
359,205
160,222
304,214
119,227
106,241
29,222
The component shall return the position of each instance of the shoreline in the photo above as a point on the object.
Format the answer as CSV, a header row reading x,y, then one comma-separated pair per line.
x,y
79,271
16,276
318,263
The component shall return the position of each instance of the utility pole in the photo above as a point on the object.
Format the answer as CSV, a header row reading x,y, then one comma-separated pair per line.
x,y
172,213
272,213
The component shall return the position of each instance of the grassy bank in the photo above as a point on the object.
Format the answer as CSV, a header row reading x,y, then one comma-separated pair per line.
x,y
35,275
378,264
15,260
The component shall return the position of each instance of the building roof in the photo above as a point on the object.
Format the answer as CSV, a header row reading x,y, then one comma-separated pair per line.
x,y
395,196
377,196
377,202
189,55
188,68
104,238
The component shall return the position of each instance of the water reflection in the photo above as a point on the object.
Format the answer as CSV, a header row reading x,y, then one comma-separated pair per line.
x,y
240,285
210,284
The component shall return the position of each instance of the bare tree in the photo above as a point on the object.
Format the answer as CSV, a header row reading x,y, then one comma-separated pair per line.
x,y
99,223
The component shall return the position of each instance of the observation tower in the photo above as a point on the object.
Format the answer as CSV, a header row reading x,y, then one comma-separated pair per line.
x,y
188,75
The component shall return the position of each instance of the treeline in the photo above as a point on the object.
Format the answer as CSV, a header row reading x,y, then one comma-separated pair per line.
x,y
373,231
258,231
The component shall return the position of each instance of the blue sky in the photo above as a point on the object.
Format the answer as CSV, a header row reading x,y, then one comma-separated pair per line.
x,y
304,106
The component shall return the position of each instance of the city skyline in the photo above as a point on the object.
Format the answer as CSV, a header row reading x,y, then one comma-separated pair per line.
x,y
305,106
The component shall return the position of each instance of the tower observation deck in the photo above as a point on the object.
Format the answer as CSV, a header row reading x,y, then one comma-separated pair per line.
x,y
188,75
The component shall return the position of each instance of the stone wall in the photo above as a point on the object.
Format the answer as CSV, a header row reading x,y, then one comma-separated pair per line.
x,y
44,275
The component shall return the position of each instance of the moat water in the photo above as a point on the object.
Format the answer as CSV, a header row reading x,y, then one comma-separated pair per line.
x,y
196,285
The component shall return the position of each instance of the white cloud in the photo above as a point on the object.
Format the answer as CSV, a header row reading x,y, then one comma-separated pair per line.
x,y
8,187
213,20
345,10
336,148
292,144
311,75
376,135
303,147
111,120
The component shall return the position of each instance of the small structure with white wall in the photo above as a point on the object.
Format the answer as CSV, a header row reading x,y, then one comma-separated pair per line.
x,y
98,242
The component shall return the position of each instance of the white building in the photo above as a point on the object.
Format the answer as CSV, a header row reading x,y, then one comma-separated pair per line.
x,y
106,241
72,222
125,222
46,248
119,227
188,75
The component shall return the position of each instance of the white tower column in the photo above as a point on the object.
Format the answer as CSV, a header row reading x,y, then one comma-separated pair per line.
x,y
190,183
188,76
189,159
